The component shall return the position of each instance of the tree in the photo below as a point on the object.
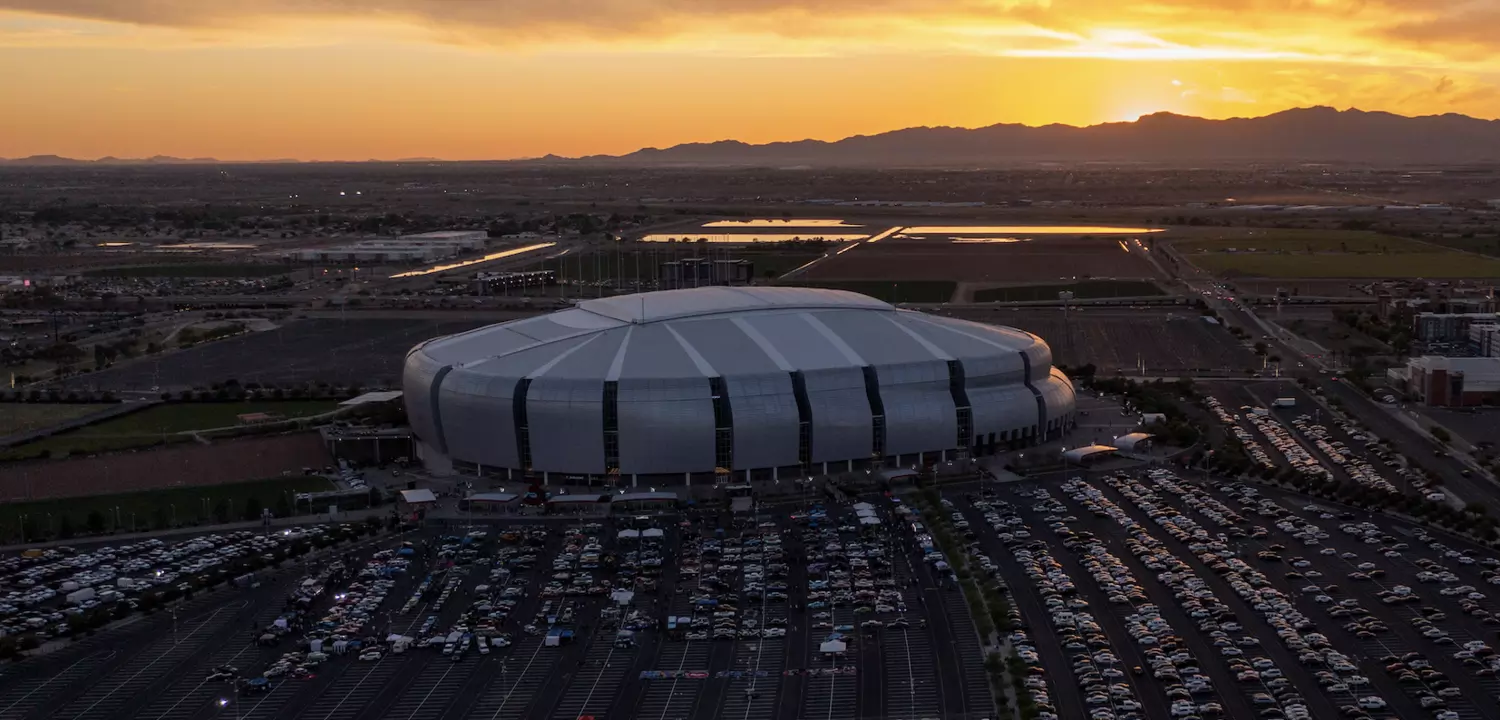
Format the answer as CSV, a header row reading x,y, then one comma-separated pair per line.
x,y
1260,348
1441,435
65,528
253,508
95,522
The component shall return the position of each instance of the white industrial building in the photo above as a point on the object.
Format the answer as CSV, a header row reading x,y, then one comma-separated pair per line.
x,y
422,247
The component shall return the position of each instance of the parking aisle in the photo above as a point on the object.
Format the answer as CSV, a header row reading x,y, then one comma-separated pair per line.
x,y
346,698
911,686
512,689
431,693
104,699
19,696
193,690
594,685
975,682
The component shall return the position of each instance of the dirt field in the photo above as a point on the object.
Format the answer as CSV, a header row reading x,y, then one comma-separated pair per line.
x,y
1166,343
1347,265
1081,291
1328,254
23,417
364,351
228,461
1313,288
1041,260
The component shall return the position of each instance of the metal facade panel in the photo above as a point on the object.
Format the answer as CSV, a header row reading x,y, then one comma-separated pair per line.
x,y
654,353
765,420
800,343
1040,357
873,337
1001,408
962,340
727,348
1057,392
592,361
840,414
997,368
919,412
479,419
666,426
416,391
565,423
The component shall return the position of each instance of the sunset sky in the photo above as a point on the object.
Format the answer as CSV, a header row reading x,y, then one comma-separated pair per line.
x,y
470,79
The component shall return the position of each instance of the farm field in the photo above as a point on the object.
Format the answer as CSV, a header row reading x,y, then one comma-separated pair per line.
x,y
1348,265
156,424
902,291
643,264
1305,242
1087,289
26,417
219,270
155,508
1041,260
365,351
1165,343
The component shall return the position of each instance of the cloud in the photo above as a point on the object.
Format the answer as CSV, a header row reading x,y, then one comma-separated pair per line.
x,y
1371,32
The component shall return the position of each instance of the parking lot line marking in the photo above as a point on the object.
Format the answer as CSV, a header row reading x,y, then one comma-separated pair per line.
x,y
55,676
431,690
153,662
517,683
201,684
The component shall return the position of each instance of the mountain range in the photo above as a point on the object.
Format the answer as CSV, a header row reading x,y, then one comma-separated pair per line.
x,y
1315,134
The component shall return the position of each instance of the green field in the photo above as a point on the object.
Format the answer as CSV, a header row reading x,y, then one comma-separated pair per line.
x,y
639,264
1306,242
1419,265
213,270
159,424
895,291
156,508
1088,289
26,417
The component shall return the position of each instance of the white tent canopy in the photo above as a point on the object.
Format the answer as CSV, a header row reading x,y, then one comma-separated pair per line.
x,y
866,513
869,521
627,534
863,506
418,496
833,646
652,533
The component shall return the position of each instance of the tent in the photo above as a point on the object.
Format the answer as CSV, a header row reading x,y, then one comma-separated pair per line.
x,y
866,513
622,597
833,646
418,496
629,534
863,506
652,533
869,521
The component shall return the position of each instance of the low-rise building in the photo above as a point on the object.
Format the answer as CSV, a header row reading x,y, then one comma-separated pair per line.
x,y
1454,382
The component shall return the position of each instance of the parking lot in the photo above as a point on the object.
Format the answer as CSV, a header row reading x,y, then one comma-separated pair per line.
x,y
827,612
1158,596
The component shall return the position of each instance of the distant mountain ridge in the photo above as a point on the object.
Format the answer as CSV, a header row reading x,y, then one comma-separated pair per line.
x,y
1314,134
1318,134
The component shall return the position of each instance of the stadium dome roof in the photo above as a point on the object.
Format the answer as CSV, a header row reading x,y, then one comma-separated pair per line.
x,y
666,368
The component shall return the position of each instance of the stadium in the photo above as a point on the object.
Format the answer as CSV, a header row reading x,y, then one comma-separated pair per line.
x,y
757,383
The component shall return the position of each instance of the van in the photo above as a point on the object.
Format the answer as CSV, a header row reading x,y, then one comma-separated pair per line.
x,y
484,645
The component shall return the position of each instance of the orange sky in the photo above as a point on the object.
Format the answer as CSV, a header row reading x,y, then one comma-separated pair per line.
x,y
360,79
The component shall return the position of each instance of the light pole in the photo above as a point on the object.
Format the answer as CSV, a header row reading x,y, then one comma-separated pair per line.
x,y
117,518
174,513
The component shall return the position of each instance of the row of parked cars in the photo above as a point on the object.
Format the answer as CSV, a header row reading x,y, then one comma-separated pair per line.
x,y
1430,688
1267,685
41,588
